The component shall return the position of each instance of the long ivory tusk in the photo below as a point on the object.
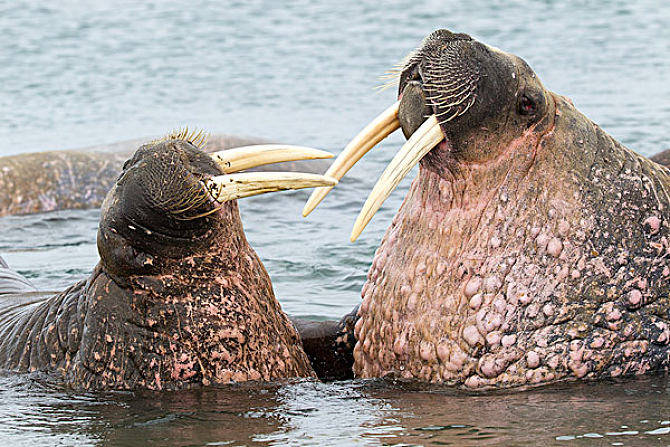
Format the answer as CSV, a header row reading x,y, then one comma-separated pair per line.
x,y
235,186
381,127
419,144
246,157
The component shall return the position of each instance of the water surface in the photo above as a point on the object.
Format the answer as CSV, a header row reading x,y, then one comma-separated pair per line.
x,y
76,74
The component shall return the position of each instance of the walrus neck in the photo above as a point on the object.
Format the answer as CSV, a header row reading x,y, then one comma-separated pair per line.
x,y
444,259
210,317
437,279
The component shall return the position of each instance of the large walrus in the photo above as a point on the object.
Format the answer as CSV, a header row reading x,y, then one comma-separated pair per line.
x,y
79,179
179,298
531,248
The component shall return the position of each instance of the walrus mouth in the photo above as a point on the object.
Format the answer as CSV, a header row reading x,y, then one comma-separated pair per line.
x,y
423,140
235,185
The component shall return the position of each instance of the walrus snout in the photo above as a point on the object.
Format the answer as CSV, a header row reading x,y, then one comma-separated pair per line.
x,y
413,109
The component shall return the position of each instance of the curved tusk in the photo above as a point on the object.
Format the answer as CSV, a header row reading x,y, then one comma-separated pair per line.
x,y
419,144
381,127
236,186
247,157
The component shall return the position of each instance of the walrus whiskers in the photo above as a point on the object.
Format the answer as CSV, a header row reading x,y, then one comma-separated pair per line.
x,y
381,88
451,104
391,78
197,137
197,199
197,192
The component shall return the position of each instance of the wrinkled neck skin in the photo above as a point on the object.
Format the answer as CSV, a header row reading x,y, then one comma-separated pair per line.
x,y
207,318
547,263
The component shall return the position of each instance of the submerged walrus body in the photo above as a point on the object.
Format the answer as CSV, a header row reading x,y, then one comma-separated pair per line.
x,y
531,248
80,179
179,298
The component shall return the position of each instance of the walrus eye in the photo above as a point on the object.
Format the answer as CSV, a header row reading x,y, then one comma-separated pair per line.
x,y
526,106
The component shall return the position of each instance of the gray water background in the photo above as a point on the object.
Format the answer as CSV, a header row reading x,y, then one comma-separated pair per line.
x,y
75,74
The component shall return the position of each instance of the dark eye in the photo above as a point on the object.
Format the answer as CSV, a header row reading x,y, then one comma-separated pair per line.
x,y
527,106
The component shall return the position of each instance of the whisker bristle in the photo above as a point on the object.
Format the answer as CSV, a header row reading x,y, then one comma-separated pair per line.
x,y
197,137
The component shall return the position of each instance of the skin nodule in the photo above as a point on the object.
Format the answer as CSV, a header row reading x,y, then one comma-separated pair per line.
x,y
531,248
177,300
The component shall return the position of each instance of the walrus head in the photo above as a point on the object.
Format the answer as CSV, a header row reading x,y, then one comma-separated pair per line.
x,y
532,247
179,298
467,86
460,102
174,200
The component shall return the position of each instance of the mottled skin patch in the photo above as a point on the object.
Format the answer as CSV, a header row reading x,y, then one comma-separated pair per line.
x,y
172,304
531,248
80,179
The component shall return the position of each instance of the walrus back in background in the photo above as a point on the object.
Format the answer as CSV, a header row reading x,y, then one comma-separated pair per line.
x,y
80,179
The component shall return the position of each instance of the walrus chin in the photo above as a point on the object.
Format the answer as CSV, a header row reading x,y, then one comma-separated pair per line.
x,y
531,248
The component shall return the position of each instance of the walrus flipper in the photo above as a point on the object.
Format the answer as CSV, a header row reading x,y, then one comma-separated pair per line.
x,y
329,345
12,282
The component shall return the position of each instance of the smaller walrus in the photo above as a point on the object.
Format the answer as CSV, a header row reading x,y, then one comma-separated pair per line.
x,y
531,248
179,298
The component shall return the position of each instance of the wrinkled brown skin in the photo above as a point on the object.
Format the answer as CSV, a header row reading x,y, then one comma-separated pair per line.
x,y
80,179
161,313
329,345
529,249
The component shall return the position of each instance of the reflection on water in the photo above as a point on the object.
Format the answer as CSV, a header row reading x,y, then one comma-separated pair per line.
x,y
306,413
330,414
77,74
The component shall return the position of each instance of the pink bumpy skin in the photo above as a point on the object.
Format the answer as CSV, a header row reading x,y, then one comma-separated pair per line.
x,y
548,261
